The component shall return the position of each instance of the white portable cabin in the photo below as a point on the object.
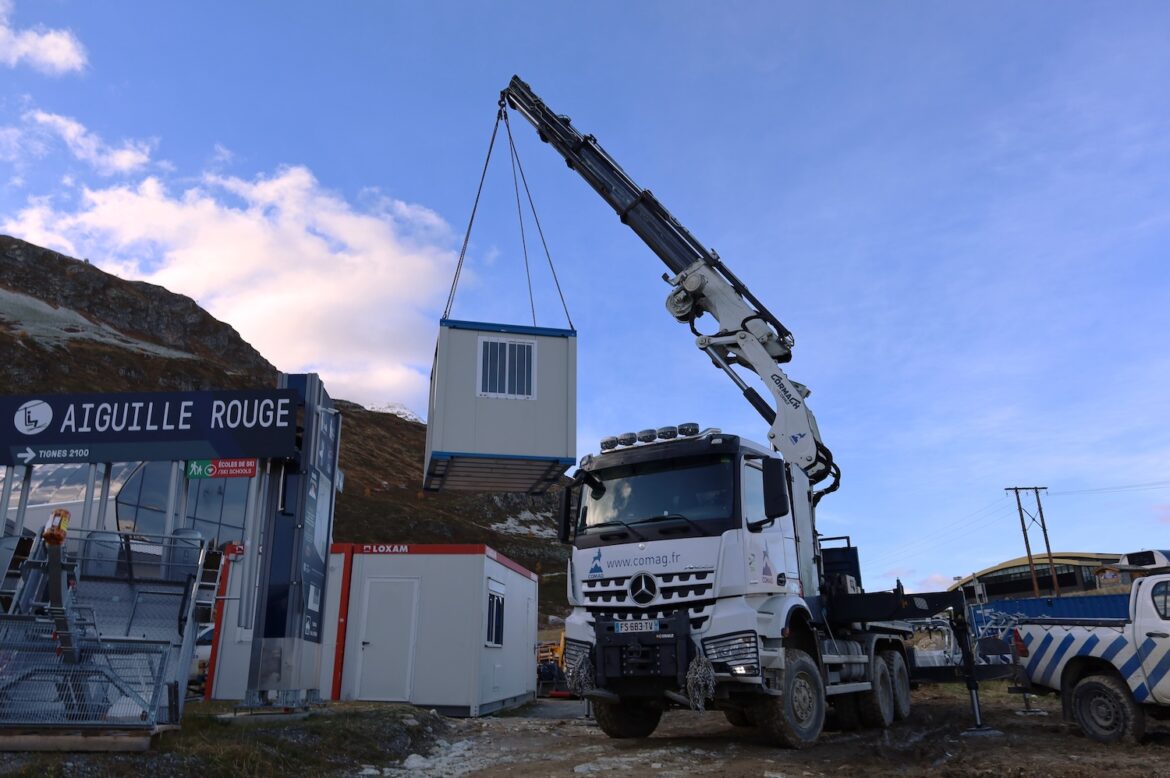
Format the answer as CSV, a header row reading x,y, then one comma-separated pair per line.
x,y
449,627
503,407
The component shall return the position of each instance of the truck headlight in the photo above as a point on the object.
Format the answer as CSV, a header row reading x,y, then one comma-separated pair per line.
x,y
737,653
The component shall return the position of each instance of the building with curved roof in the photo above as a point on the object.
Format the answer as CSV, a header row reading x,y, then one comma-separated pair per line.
x,y
1076,573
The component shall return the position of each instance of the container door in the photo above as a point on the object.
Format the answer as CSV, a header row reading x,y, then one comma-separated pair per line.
x,y
386,650
1152,628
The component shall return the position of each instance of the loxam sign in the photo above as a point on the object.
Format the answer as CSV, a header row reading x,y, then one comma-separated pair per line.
x,y
148,426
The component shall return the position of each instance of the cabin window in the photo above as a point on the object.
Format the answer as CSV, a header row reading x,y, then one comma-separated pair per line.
x,y
506,368
1161,595
753,491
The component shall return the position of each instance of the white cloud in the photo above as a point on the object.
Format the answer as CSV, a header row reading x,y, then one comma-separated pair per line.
x,y
935,582
310,280
10,143
54,52
88,147
35,223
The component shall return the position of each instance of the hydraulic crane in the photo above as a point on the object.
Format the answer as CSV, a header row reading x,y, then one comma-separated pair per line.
x,y
749,334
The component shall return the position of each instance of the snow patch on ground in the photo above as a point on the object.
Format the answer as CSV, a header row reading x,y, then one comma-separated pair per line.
x,y
448,760
398,409
58,326
529,524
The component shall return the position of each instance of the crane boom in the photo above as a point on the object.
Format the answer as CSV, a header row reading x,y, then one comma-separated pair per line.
x,y
749,334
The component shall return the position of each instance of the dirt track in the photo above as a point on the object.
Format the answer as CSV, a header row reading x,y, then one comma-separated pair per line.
x,y
553,738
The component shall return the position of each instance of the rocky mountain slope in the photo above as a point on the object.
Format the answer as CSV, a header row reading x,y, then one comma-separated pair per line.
x,y
66,326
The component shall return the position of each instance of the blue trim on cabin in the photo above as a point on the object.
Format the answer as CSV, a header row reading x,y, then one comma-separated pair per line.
x,y
517,329
468,455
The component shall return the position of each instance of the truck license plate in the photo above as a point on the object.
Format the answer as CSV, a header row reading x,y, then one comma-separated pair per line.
x,y
641,625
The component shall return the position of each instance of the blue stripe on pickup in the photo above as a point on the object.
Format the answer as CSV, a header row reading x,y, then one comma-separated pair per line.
x,y
1131,666
1114,648
1057,655
1155,676
1038,657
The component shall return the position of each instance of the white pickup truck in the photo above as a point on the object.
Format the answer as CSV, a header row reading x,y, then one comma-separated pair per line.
x,y
1111,672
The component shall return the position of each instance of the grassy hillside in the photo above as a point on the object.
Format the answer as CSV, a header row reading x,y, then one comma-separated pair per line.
x,y
94,332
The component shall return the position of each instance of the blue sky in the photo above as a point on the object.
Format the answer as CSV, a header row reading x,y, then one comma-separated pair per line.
x,y
960,210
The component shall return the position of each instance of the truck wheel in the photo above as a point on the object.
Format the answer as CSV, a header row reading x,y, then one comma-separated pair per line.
x,y
900,679
794,718
627,719
877,705
1106,711
739,717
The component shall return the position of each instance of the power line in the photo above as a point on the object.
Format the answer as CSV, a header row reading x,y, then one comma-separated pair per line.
x,y
976,520
945,533
923,547
1114,489
936,535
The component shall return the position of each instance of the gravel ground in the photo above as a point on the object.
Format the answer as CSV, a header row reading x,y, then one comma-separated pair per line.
x,y
556,738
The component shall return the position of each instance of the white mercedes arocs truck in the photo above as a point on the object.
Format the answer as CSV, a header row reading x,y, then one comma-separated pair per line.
x,y
697,576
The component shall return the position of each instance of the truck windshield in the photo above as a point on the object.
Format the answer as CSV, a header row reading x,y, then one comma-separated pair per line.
x,y
696,491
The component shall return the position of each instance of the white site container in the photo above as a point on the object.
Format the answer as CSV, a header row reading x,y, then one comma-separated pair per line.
x,y
449,627
503,407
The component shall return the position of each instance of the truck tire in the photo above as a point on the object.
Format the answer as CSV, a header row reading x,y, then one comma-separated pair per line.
x,y
900,679
1105,710
877,705
627,719
794,718
738,717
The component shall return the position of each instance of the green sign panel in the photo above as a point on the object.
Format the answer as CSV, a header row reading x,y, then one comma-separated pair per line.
x,y
221,468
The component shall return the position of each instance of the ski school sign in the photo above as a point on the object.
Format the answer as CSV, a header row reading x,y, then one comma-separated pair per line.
x,y
148,426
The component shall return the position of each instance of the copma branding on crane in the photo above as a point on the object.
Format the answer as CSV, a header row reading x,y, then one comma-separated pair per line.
x,y
788,396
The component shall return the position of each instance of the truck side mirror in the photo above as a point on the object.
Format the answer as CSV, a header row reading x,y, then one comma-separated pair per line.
x,y
775,489
566,518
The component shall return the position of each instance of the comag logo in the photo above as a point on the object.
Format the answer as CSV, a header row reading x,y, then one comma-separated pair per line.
x,y
596,571
33,417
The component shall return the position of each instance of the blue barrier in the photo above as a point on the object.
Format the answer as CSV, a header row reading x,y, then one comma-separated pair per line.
x,y
1098,606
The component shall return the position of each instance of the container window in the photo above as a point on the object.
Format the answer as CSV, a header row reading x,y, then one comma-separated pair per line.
x,y
506,368
495,615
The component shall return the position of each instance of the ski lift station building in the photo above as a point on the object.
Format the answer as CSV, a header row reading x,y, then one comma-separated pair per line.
x,y
449,627
503,407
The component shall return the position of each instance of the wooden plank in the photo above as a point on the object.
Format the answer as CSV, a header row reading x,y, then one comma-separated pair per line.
x,y
75,741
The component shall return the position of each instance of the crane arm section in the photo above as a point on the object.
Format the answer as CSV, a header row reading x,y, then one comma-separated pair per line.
x,y
749,335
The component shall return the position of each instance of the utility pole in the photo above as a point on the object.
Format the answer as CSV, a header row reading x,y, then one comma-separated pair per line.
x,y
1027,545
1039,518
1047,547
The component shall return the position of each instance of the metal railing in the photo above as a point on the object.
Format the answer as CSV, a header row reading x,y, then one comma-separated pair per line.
x,y
97,635
112,683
